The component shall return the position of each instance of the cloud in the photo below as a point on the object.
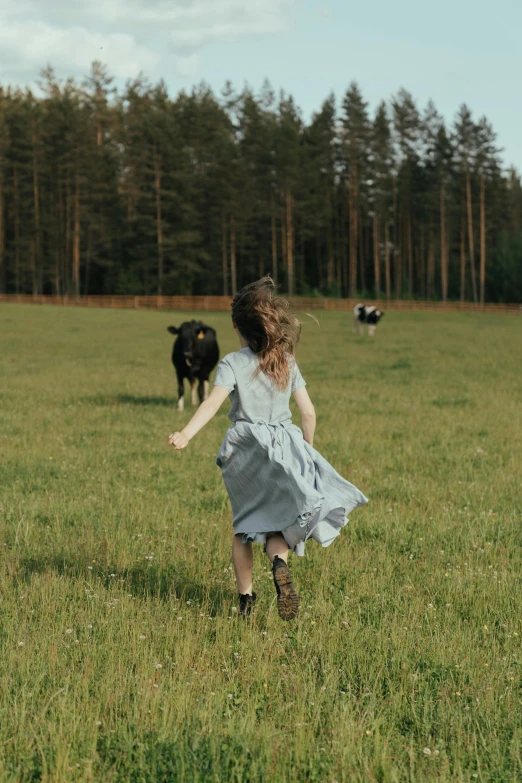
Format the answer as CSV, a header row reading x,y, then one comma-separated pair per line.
x,y
27,46
188,66
128,35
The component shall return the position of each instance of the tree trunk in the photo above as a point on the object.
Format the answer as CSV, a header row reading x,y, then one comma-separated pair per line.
x,y
16,186
284,244
290,242
233,269
318,259
159,221
68,240
462,257
387,273
396,250
354,224
32,262
338,242
443,257
482,238
224,254
470,236
363,239
2,231
410,251
38,272
330,265
60,230
76,243
420,256
376,256
88,260
344,255
274,236
431,266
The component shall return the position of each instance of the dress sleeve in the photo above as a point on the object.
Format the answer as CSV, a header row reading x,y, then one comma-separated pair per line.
x,y
225,375
298,382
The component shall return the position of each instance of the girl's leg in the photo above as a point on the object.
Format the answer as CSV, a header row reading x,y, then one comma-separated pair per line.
x,y
242,557
276,546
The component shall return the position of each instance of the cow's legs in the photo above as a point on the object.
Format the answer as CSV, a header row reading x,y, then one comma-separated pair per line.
x,y
201,386
206,386
361,328
371,330
181,393
194,399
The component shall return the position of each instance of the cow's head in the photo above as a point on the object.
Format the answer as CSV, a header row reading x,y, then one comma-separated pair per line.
x,y
189,334
378,315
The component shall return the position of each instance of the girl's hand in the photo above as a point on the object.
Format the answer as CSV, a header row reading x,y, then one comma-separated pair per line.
x,y
178,440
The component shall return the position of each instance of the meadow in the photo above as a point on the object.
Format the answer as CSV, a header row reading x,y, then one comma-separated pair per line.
x,y
122,658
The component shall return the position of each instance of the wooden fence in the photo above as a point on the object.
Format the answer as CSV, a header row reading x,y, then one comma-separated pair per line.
x,y
222,303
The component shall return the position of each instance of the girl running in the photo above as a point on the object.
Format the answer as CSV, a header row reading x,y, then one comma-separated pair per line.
x,y
282,491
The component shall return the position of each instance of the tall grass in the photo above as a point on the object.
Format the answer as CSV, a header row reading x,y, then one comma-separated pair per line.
x,y
121,654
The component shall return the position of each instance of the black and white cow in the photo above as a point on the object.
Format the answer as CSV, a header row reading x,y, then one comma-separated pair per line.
x,y
366,314
194,356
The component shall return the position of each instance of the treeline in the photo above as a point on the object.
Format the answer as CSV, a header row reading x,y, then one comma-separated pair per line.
x,y
136,192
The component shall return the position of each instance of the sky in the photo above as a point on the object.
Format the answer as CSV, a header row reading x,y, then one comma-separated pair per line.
x,y
452,51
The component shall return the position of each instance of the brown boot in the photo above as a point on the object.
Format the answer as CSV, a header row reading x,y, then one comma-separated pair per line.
x,y
287,598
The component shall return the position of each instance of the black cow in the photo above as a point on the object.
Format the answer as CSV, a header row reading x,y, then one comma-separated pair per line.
x,y
194,356
366,314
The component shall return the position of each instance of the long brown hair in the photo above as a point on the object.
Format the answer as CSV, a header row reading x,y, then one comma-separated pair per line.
x,y
270,330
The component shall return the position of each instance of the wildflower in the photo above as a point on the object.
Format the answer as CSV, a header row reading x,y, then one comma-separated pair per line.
x,y
90,568
90,625
229,696
142,636
68,630
159,666
20,644
212,693
427,751
77,641
457,693
430,606
368,733
180,618
189,603
98,722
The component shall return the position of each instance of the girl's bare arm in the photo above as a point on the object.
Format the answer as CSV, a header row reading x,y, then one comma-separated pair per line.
x,y
206,411
304,403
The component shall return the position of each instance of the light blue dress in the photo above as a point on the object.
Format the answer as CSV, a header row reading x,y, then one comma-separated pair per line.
x,y
275,480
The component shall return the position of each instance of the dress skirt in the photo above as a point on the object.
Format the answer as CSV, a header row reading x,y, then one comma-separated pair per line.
x,y
277,482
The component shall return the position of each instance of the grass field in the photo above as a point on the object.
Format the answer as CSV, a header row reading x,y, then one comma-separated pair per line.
x,y
121,655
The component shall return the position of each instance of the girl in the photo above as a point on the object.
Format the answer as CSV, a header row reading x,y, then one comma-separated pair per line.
x,y
282,491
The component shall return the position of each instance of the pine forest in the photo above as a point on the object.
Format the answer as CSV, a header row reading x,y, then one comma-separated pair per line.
x,y
132,191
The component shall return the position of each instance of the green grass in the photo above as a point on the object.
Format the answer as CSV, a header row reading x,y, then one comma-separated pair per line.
x,y
121,657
